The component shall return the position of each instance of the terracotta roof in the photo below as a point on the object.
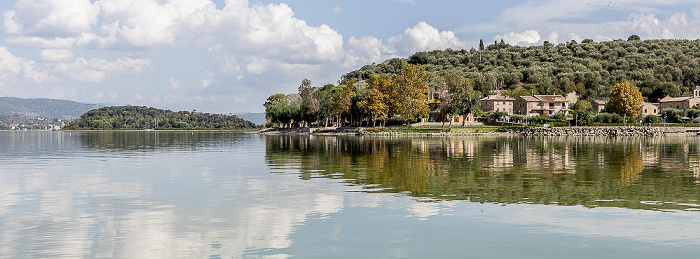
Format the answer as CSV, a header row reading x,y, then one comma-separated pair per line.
x,y
495,97
552,98
674,99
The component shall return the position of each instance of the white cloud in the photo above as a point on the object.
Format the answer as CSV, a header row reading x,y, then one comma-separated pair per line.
x,y
524,38
205,82
563,21
17,71
366,50
423,37
337,9
50,17
55,55
97,70
174,83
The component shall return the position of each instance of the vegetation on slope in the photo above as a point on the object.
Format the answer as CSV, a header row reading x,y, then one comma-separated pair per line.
x,y
141,117
657,67
44,108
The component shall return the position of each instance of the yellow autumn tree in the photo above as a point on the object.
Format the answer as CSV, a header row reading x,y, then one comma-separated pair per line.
x,y
625,99
409,94
374,103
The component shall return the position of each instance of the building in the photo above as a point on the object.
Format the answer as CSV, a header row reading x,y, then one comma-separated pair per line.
x,y
498,103
541,105
681,103
598,105
649,109
438,115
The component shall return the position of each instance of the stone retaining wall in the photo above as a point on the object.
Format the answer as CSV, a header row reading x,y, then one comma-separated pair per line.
x,y
603,131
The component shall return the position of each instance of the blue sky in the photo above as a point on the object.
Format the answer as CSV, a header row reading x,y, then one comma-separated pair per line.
x,y
226,56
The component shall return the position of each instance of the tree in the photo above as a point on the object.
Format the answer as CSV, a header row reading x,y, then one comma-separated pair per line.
x,y
409,93
374,103
634,37
325,102
625,100
481,44
582,118
309,104
462,99
274,107
342,100
583,105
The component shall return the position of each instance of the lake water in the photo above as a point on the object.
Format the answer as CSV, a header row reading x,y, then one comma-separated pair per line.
x,y
231,195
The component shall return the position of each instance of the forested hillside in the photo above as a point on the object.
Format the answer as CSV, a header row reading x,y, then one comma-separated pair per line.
x,y
657,67
141,117
44,108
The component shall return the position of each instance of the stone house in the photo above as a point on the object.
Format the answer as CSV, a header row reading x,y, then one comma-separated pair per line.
x,y
649,109
681,103
541,105
498,103
598,105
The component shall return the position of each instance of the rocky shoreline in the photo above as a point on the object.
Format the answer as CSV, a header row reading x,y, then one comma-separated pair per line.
x,y
556,131
603,131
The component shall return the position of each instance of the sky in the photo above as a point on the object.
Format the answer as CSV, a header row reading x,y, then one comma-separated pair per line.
x,y
228,56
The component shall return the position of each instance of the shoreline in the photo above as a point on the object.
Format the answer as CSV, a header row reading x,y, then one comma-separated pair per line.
x,y
602,131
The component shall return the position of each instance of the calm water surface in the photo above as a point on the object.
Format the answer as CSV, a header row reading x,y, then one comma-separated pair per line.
x,y
229,195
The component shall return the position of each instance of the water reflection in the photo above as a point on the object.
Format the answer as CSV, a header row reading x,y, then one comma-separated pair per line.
x,y
212,195
148,195
591,171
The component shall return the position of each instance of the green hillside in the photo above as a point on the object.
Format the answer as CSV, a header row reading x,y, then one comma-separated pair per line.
x,y
141,117
657,67
44,108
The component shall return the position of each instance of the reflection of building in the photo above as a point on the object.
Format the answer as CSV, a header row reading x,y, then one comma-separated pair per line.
x,y
497,103
541,105
681,103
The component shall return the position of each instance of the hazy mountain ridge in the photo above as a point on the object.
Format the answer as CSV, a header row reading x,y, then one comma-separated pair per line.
x,y
44,108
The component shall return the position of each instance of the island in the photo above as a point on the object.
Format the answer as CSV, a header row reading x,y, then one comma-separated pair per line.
x,y
148,118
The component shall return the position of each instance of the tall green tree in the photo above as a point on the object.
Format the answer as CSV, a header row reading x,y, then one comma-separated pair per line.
x,y
309,104
461,99
625,100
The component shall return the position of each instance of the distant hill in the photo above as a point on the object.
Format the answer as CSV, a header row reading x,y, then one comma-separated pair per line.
x,y
141,117
44,108
258,118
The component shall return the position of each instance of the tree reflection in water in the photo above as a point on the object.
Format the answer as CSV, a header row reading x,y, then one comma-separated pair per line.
x,y
590,171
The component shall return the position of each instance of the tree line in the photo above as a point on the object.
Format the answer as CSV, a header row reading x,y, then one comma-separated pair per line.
x,y
141,117
398,98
